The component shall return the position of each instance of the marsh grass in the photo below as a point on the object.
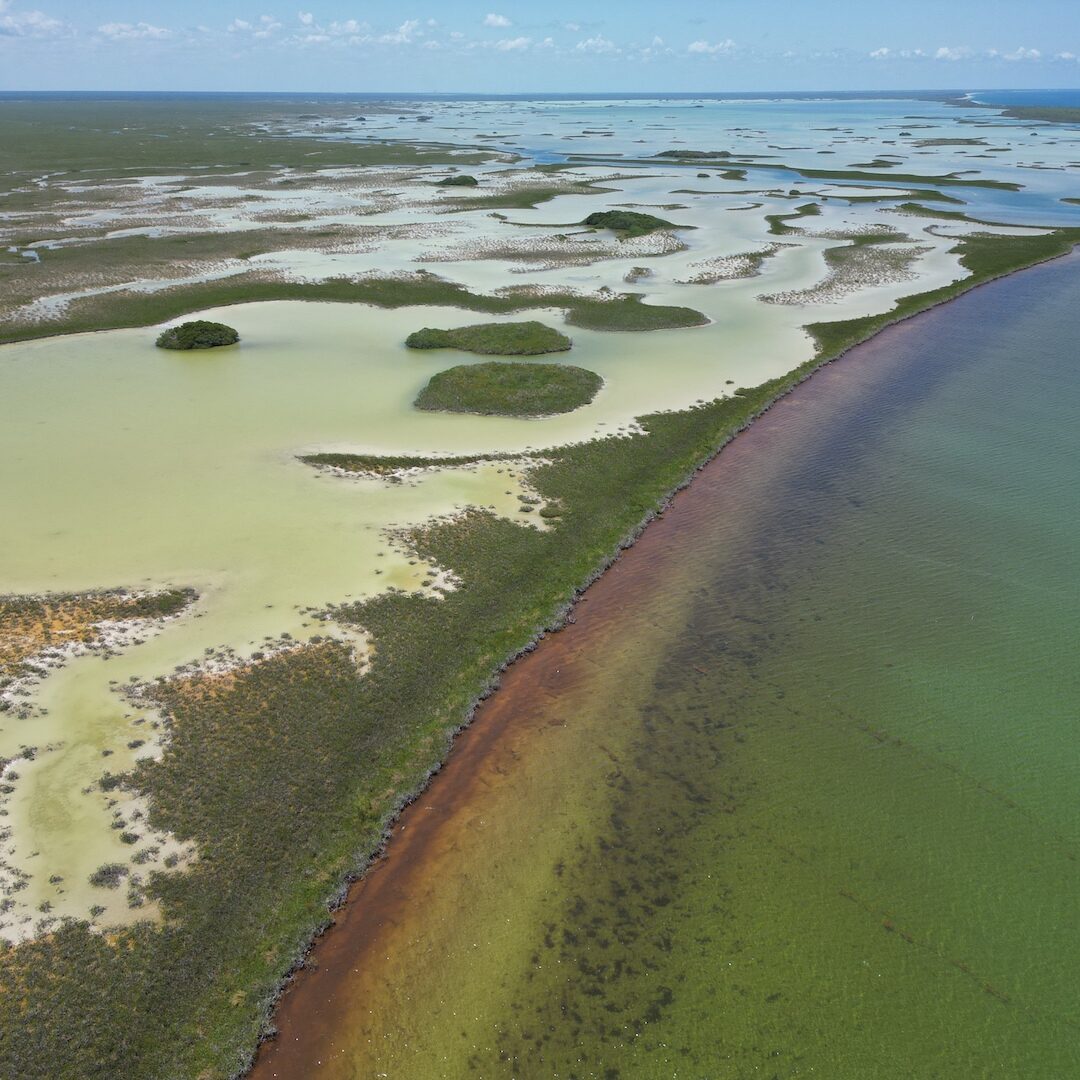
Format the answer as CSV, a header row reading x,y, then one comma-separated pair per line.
x,y
99,139
493,339
628,223
778,223
614,312
385,465
31,624
510,389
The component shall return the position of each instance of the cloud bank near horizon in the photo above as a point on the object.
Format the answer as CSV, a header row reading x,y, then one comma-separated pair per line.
x,y
467,48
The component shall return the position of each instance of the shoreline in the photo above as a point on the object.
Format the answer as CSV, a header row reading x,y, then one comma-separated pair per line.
x,y
480,736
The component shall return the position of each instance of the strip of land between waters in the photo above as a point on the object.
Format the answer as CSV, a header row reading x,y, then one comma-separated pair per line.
x,y
421,839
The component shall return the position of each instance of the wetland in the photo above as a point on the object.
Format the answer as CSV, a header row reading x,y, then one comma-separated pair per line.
x,y
250,599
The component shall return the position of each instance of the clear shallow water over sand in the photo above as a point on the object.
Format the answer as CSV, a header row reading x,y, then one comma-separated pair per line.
x,y
796,794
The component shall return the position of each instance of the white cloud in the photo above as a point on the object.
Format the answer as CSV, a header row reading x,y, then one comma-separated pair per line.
x,y
348,28
1023,54
239,26
881,54
133,32
1065,56
32,24
501,21
573,27
708,49
596,44
952,52
306,17
513,44
403,35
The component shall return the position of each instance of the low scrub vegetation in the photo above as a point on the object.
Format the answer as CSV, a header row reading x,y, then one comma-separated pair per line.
x,y
493,339
510,389
627,223
199,334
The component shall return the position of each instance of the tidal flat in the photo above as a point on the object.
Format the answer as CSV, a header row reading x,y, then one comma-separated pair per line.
x,y
308,689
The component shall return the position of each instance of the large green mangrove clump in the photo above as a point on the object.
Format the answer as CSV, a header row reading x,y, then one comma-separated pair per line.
x,y
200,334
628,223
510,389
493,339
459,181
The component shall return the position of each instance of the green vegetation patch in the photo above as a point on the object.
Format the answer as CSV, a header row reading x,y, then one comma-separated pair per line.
x,y
629,313
628,223
198,334
493,339
463,180
1051,114
608,312
32,623
388,465
778,222
510,389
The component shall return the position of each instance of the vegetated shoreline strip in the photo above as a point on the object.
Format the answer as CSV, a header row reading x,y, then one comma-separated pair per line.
x,y
193,996
624,311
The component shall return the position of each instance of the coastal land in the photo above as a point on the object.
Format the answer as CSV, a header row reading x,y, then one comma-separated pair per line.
x,y
219,772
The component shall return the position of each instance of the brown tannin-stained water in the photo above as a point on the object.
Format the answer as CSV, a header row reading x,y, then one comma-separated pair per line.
x,y
795,794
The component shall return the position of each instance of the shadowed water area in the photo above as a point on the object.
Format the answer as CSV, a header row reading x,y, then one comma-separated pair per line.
x,y
795,795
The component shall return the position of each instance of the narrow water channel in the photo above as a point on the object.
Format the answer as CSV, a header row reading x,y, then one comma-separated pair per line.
x,y
796,794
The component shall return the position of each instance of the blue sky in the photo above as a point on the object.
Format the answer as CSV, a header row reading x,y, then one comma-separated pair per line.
x,y
450,46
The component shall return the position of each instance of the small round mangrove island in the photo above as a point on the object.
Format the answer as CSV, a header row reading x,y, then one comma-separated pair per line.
x,y
200,334
628,223
459,181
493,339
510,389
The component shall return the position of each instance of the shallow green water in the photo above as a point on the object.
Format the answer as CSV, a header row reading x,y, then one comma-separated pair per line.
x,y
848,844
812,810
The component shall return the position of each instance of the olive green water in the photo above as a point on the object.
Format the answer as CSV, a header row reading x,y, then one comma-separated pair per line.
x,y
812,810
